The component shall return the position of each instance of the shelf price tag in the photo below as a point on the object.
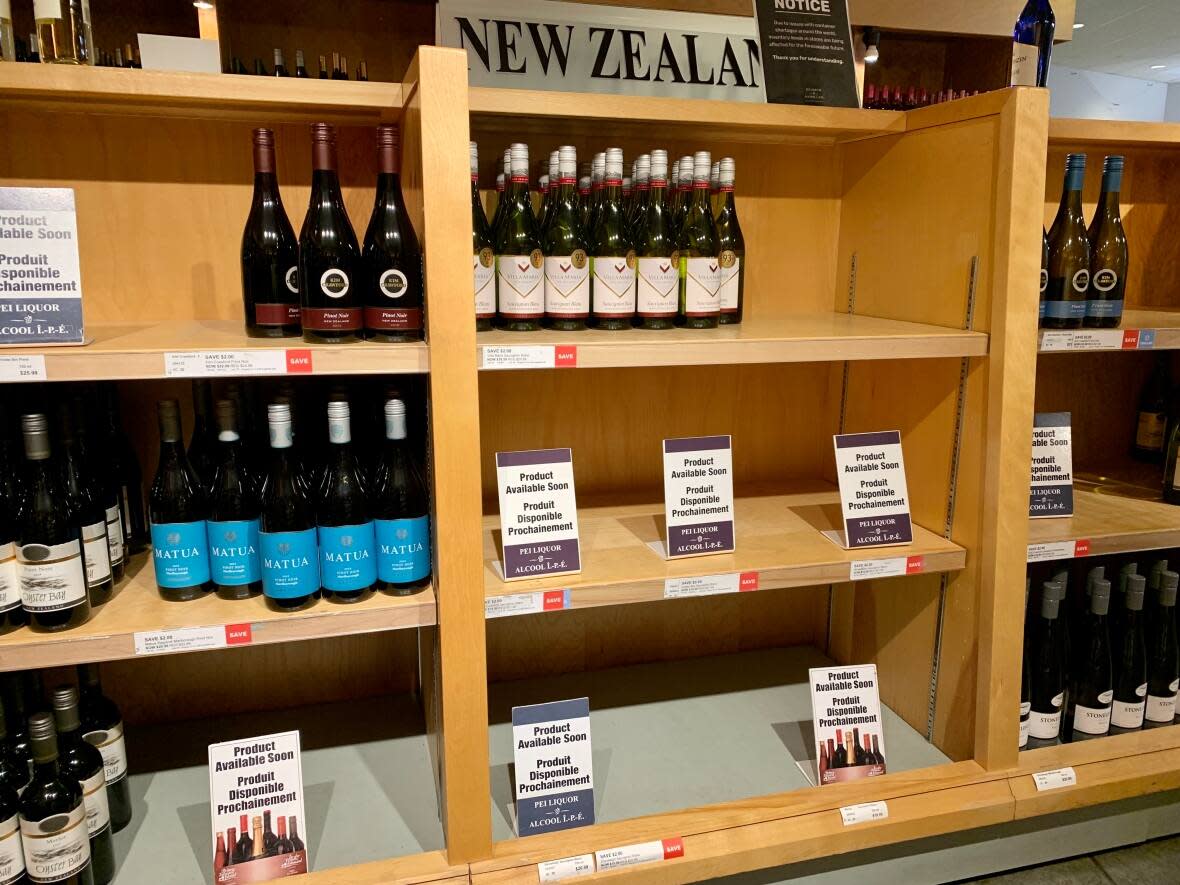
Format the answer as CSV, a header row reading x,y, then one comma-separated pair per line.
x,y
1049,550
863,813
208,363
893,567
640,852
528,356
538,513
710,585
23,368
846,712
1055,779
873,492
698,496
565,868
1052,466
526,603
1085,339
554,766
158,642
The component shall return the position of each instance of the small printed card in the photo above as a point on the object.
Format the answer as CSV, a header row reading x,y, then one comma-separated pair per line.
x,y
256,800
873,491
1052,466
846,708
538,513
554,768
698,495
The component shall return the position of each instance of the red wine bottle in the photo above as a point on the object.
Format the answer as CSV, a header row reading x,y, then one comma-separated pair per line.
x,y
282,845
270,252
245,845
79,759
52,806
268,836
102,727
841,759
296,842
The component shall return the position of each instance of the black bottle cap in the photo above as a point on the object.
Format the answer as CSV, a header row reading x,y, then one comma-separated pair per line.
x,y
168,411
1168,584
43,737
65,708
1099,597
1136,587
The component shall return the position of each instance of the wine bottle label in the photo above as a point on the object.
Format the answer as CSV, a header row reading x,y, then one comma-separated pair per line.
x,y
180,553
1161,708
334,319
1044,725
46,9
12,859
484,268
334,283
729,288
1024,64
392,283
233,552
115,534
52,577
613,287
657,287
9,583
567,285
114,751
403,549
1126,714
1024,729
1065,310
290,564
94,797
1149,432
348,557
393,319
1044,280
57,846
276,314
520,284
1106,295
291,279
97,552
1091,720
702,279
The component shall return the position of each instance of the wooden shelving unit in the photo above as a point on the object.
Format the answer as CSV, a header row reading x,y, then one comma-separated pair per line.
x,y
1108,524
1140,330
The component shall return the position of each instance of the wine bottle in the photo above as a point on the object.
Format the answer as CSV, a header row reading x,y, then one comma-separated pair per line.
x,y
348,567
657,272
1172,463
362,71
822,761
323,68
343,67
1092,690
1044,277
550,187
245,845
102,482
123,469
391,257
257,844
290,559
483,256
260,69
18,713
612,263
1130,660
1163,659
7,41
282,844
732,245
1069,254
880,757
683,190
34,55
563,241
329,257
53,815
502,180
867,753
234,510
12,858
293,829
593,199
858,757
1046,670
300,66
1032,44
102,727
1108,252
1152,418
270,252
219,857
231,839
642,195
15,771
401,511
831,753
84,763
177,510
280,65
520,290
12,613
63,31
80,499
268,836
696,246
203,442
715,187
1025,681
841,759
50,566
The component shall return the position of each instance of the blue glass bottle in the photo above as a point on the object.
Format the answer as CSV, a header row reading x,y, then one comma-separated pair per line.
x,y
1032,44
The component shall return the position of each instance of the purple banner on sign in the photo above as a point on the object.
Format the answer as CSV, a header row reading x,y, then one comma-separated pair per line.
x,y
695,443
536,456
870,531
536,560
879,438
704,537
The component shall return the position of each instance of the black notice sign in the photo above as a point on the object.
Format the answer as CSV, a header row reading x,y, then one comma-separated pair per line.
x,y
807,52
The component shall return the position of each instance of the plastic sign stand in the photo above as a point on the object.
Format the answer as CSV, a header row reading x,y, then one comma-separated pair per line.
x,y
538,514
698,496
1052,466
873,493
554,767
846,712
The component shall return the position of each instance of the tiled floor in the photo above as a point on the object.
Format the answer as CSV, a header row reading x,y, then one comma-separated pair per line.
x,y
1153,863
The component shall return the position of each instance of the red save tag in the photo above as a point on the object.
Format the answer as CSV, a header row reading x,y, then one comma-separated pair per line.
x,y
565,356
238,634
299,362
913,565
747,581
553,600
1130,339
673,848
1081,547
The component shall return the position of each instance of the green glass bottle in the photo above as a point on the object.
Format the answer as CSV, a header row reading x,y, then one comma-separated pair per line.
x,y
658,273
549,188
732,245
612,266
640,197
584,195
567,265
698,254
1044,274
1069,254
502,181
483,259
520,290
597,173
1171,462
1108,252
1151,420
683,180
715,188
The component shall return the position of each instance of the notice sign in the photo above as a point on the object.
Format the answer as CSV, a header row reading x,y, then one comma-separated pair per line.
x,y
538,513
40,275
807,52
698,495
256,799
554,769
873,489
846,708
1052,466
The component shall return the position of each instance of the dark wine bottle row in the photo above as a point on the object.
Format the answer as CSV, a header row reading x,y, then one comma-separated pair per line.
x,y
339,69
898,98
834,754
608,255
63,781
326,284
257,840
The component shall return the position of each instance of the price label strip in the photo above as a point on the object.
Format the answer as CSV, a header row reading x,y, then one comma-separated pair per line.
x,y
1050,550
863,813
641,852
1055,779
23,368
565,868
157,642
710,585
892,567
528,356
210,363
526,603
1097,339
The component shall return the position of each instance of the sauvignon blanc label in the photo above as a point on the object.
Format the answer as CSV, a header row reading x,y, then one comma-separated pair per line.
x,y
698,495
538,513
730,285
56,847
1129,714
658,281
403,549
233,552
52,577
567,285
1052,466
613,288
484,272
12,859
1162,708
520,285
702,280
114,534
1092,720
1045,725
114,751
873,490
554,766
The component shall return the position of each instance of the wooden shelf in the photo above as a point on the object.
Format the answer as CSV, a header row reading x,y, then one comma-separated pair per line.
x,y
1141,330
137,607
60,88
1107,523
811,337
1066,131
778,536
126,352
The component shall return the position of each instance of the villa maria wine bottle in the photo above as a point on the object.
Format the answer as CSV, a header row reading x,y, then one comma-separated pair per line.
x,y
177,509
233,514
270,252
567,263
53,815
658,274
483,261
348,560
1108,252
612,267
102,727
520,290
329,257
696,243
1091,686
1069,254
732,244
290,560
400,511
82,761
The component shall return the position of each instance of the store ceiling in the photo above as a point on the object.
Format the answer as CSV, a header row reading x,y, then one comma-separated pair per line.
x,y
1126,37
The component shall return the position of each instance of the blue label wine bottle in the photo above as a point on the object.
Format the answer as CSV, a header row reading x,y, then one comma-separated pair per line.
x,y
233,514
400,511
348,545
177,511
289,553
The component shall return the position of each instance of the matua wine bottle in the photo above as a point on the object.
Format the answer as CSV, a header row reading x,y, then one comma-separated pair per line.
x,y
287,530
348,554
